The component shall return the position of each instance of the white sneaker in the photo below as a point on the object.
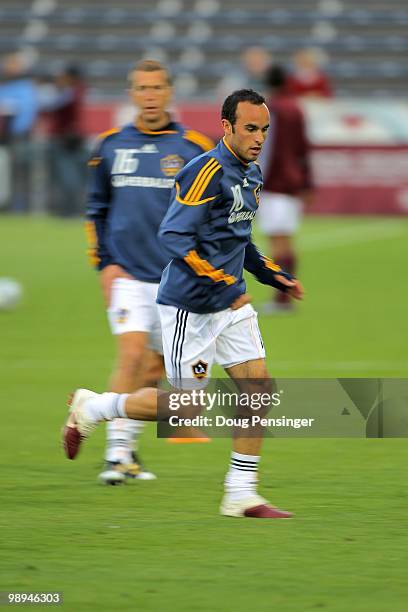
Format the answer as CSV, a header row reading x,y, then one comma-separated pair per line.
x,y
78,426
114,474
253,506
118,473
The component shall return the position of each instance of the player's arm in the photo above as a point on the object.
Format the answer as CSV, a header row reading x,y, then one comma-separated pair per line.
x,y
196,190
269,273
98,204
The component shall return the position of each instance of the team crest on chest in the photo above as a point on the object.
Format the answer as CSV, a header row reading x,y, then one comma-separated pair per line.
x,y
200,369
171,164
257,193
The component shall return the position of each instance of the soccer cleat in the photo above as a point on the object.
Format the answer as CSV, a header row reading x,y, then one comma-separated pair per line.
x,y
117,473
142,474
252,507
77,426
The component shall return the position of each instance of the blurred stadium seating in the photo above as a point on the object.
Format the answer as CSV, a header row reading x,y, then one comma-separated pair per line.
x,y
364,44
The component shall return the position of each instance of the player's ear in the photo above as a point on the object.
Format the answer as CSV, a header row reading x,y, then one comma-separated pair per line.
x,y
226,126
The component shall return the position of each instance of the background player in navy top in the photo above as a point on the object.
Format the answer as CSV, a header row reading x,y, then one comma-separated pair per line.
x,y
131,175
207,231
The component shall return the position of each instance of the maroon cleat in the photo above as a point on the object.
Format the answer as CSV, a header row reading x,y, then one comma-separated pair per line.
x,y
71,440
254,506
266,511
78,426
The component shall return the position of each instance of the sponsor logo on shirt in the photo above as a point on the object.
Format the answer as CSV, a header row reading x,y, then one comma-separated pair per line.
x,y
236,212
120,180
245,215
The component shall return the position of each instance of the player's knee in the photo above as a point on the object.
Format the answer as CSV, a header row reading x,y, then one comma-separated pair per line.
x,y
256,398
261,384
264,385
152,377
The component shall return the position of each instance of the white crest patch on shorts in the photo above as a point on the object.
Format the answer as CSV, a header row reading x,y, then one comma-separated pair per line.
x,y
200,369
122,315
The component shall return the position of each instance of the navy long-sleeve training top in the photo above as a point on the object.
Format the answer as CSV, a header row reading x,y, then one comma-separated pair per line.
x,y
131,174
207,233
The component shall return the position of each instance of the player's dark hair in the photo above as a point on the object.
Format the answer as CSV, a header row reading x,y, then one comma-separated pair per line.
x,y
229,108
275,77
148,65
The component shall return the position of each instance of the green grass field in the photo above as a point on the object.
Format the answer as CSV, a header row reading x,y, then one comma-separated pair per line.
x,y
161,545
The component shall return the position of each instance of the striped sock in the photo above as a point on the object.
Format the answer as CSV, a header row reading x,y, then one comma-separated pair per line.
x,y
121,438
242,477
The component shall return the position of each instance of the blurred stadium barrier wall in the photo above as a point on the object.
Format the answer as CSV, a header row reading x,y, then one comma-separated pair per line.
x,y
360,152
360,157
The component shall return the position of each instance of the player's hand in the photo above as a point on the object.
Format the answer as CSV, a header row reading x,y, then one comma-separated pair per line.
x,y
241,301
107,276
295,289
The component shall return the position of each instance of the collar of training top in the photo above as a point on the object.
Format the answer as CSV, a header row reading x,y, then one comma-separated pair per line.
x,y
170,128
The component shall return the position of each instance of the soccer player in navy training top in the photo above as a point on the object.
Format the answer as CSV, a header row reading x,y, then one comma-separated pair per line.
x,y
131,176
204,307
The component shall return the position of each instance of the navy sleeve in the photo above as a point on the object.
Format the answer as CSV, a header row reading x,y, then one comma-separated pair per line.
x,y
264,268
196,186
98,203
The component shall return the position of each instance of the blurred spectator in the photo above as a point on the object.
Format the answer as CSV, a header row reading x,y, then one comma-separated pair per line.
x,y
307,78
67,153
254,62
18,110
287,178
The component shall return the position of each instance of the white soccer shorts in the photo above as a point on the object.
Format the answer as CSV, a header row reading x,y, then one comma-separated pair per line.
x,y
279,214
133,308
192,342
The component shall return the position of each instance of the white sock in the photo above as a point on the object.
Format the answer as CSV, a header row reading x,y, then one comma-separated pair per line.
x,y
242,477
106,406
121,439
